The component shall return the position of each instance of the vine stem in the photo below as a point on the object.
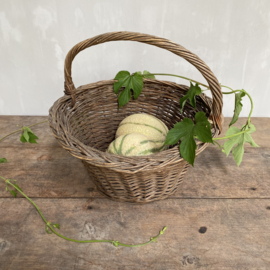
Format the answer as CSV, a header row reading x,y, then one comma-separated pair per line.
x,y
230,136
232,91
115,243
21,130
182,77
185,78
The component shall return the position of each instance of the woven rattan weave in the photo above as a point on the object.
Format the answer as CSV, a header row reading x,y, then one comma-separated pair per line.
x,y
85,120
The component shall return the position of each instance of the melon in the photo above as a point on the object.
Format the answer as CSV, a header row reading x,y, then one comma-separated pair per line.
x,y
147,125
132,144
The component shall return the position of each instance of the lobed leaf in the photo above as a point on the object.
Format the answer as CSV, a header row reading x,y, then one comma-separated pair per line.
x,y
237,107
56,225
13,192
3,160
136,84
194,90
27,129
124,97
28,136
130,82
122,77
145,72
32,138
22,139
16,185
238,142
185,131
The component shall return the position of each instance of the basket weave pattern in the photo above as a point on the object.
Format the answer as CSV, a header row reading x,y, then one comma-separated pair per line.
x,y
85,121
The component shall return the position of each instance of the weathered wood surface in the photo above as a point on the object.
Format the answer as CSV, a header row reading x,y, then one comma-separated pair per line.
x,y
236,237
218,219
47,170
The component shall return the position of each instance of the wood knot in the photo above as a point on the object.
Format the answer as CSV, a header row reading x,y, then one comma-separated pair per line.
x,y
4,246
203,230
189,259
44,157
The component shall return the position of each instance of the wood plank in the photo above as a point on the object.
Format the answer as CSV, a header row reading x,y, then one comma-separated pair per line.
x,y
54,173
236,234
9,124
47,170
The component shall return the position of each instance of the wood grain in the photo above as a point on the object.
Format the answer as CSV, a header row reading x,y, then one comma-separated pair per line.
x,y
218,219
47,170
202,234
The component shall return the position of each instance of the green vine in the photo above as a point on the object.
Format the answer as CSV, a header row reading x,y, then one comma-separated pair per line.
x,y
208,88
245,92
134,82
50,227
186,131
22,129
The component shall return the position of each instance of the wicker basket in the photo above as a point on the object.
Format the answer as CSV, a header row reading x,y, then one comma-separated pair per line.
x,y
85,120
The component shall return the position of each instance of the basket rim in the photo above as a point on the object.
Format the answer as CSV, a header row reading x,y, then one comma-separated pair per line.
x,y
102,159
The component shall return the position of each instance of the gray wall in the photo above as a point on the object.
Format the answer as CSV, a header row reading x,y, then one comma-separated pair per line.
x,y
231,36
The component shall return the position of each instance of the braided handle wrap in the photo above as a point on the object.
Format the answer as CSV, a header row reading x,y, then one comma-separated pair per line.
x,y
216,112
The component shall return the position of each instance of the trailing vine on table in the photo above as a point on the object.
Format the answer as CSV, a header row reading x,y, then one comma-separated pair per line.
x,y
27,135
50,227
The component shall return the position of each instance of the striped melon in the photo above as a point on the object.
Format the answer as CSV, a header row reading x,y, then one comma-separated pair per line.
x,y
147,125
133,144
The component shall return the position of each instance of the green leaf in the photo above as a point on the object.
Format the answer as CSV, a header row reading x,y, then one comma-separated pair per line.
x,y
136,84
124,97
32,138
16,185
187,149
56,225
191,94
185,131
26,136
203,128
122,77
28,129
238,142
173,136
3,160
13,192
238,152
238,107
145,72
130,82
23,139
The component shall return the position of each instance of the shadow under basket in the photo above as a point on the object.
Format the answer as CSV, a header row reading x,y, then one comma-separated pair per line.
x,y
85,121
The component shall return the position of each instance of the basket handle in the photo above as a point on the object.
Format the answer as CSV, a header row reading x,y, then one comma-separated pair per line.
x,y
216,112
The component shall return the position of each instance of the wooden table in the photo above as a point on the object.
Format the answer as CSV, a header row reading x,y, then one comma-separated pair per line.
x,y
218,219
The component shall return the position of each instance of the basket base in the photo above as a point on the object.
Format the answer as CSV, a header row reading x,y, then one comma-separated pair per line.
x,y
132,189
